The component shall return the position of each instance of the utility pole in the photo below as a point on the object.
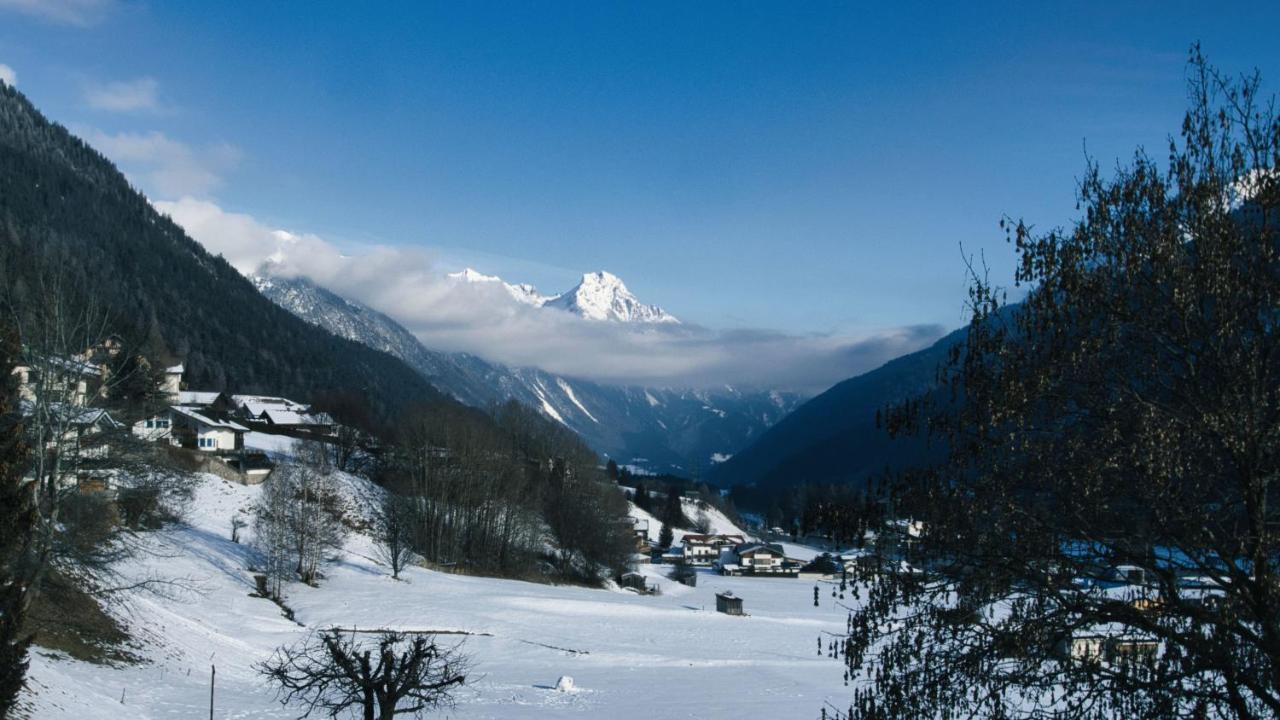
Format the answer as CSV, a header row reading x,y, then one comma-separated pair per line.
x,y
213,677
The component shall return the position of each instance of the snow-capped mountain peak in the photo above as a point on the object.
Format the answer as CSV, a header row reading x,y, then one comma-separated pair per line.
x,y
523,293
603,296
472,275
599,295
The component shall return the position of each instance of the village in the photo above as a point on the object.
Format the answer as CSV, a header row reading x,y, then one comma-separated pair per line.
x,y
241,437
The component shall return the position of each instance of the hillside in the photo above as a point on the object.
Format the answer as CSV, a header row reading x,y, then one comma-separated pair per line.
x,y
833,437
73,227
616,645
659,429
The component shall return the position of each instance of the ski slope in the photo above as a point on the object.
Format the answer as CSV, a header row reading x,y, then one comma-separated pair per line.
x,y
631,656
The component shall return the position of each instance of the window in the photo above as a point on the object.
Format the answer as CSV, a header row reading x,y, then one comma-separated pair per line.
x,y
151,423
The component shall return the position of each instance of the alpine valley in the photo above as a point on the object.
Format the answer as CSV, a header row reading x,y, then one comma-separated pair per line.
x,y
684,431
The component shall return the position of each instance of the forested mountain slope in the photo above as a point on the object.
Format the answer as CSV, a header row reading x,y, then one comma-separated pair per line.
x,y
833,438
73,226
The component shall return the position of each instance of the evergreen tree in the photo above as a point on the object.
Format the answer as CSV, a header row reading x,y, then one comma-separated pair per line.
x,y
642,497
665,536
17,524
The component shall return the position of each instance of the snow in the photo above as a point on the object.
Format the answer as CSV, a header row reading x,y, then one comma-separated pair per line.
x,y
720,524
568,391
630,656
717,458
277,446
547,407
603,296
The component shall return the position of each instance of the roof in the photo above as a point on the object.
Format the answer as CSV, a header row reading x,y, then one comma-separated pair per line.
x,y
752,547
206,420
694,539
175,369
256,404
74,414
292,417
197,397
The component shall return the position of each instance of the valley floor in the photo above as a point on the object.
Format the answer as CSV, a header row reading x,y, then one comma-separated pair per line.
x,y
650,657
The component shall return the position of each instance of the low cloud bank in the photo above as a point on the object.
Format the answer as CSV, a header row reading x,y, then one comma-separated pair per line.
x,y
483,319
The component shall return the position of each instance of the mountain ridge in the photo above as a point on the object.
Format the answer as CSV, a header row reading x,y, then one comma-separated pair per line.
x,y
656,429
600,296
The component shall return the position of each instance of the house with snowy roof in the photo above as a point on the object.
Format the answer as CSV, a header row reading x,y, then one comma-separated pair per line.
x,y
704,550
755,558
193,428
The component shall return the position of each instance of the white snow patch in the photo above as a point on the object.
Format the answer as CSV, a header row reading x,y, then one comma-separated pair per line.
x,y
568,391
619,645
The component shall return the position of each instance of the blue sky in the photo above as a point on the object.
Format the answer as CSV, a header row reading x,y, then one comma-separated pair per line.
x,y
805,167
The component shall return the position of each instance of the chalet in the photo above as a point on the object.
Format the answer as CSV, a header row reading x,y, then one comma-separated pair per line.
x,y
280,413
755,558
1132,650
80,425
155,428
193,429
68,381
1082,646
728,603
705,549
640,529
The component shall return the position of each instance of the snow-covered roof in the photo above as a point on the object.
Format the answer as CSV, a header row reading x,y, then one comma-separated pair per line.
x,y
208,421
197,397
264,402
693,539
294,417
175,369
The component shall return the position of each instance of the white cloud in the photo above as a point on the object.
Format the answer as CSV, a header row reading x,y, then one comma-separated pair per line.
x,y
483,319
125,96
8,75
162,166
80,13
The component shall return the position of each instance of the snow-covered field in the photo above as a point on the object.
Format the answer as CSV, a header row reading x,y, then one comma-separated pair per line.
x,y
630,656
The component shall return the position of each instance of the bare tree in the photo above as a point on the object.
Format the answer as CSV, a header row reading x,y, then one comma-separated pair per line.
x,y
398,674
297,521
1103,537
393,531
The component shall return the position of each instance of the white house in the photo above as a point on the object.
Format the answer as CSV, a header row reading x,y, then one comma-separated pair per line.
x,y
705,549
280,412
171,386
156,427
752,559
195,429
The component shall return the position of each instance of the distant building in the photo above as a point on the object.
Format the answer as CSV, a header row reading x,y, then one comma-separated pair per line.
x,y
640,528
155,428
703,550
193,429
755,558
171,385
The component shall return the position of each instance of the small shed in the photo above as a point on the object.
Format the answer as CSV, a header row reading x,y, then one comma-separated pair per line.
x,y
633,580
728,603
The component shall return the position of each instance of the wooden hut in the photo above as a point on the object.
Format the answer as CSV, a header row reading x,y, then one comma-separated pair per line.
x,y
728,603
